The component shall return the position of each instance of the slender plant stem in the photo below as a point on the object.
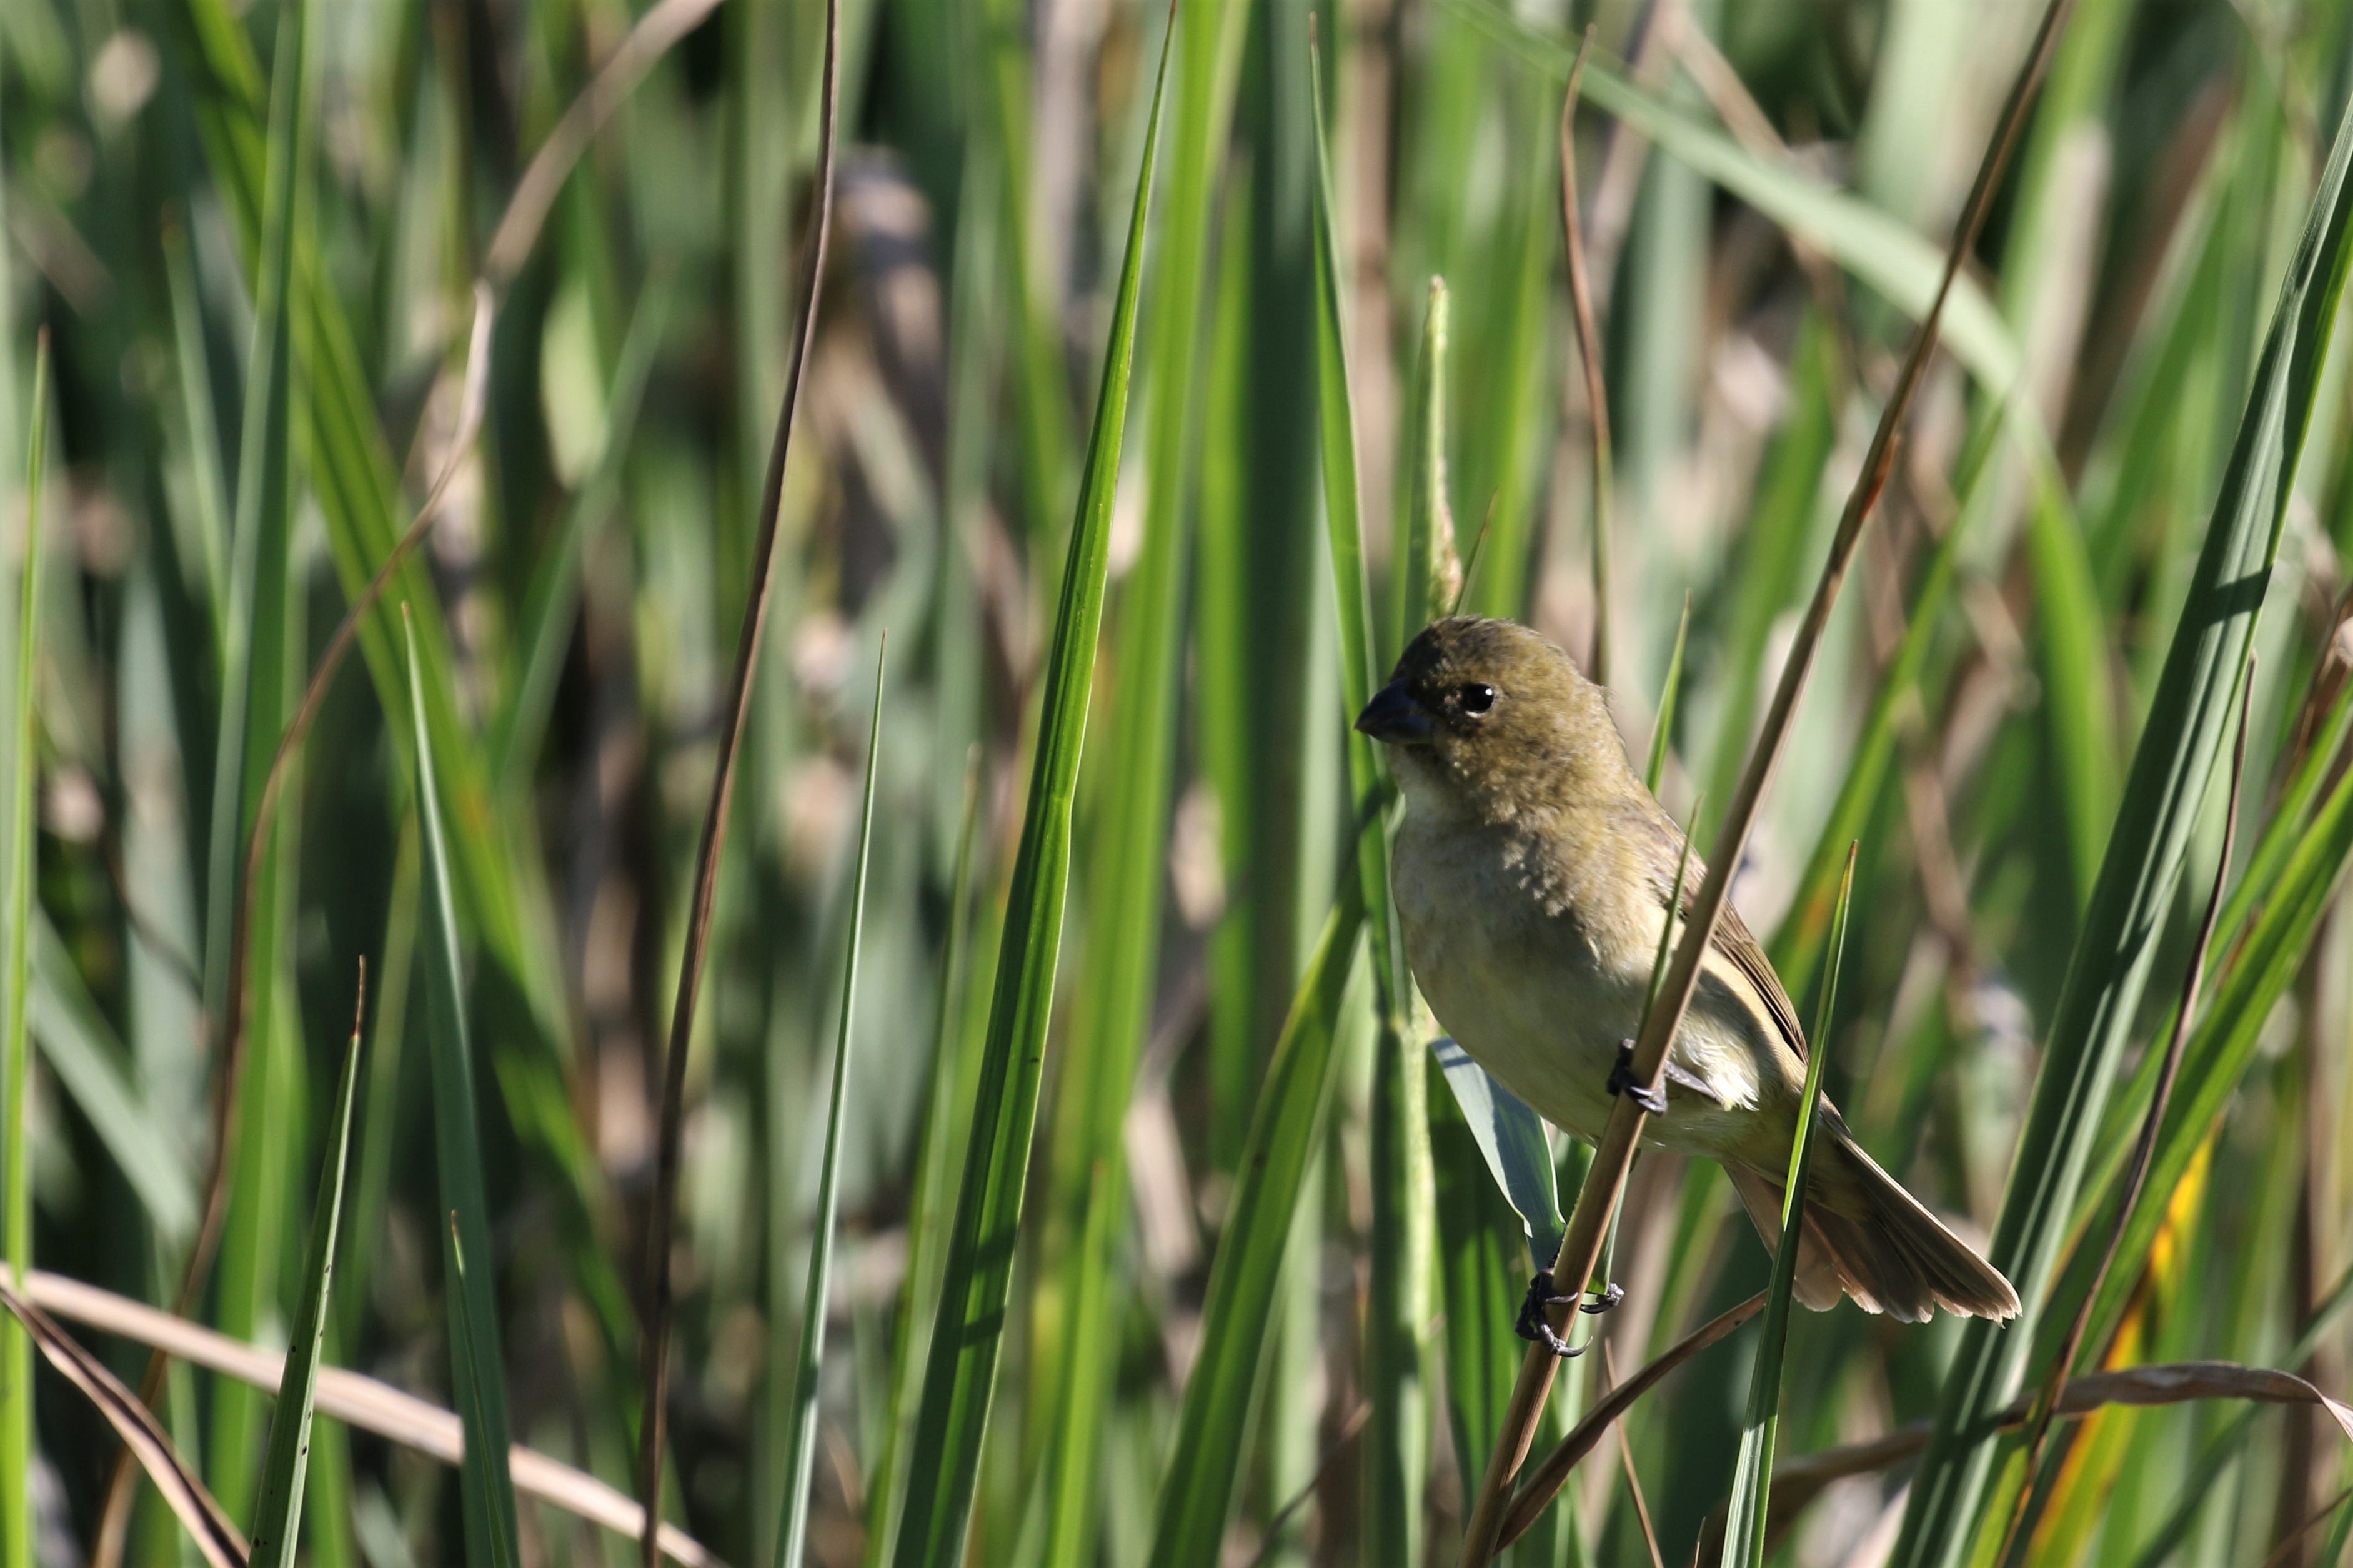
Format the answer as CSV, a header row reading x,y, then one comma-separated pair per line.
x,y
16,1039
1598,1200
654,1360
1589,341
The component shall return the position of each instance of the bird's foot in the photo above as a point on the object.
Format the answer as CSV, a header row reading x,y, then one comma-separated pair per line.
x,y
1611,1294
1536,1323
1623,1081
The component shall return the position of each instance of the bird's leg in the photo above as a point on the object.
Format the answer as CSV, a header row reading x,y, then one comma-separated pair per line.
x,y
1536,1324
1623,1081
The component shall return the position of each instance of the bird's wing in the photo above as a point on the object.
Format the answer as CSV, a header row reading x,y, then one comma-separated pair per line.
x,y
1731,940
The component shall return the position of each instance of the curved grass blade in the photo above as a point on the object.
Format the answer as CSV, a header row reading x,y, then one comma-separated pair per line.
x,y
143,1435
358,1402
477,1368
15,1041
278,1507
800,1435
1204,1464
1743,1537
960,1376
2146,848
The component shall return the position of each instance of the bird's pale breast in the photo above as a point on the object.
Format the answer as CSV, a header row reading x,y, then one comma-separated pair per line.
x,y
1539,970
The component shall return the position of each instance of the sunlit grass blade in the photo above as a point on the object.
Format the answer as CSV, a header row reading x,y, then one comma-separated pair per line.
x,y
1423,573
15,1041
477,1369
2146,848
1203,1475
1744,1535
1424,531
277,1506
960,1374
801,1436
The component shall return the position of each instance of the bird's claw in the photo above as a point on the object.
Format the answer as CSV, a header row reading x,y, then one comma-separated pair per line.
x,y
1623,1081
1536,1323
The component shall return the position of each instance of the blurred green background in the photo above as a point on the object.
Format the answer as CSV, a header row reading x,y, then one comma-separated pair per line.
x,y
1766,191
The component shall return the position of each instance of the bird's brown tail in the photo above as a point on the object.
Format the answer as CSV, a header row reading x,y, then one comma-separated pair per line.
x,y
1865,1236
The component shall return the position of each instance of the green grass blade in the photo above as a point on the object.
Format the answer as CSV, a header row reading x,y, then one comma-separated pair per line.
x,y
960,1376
278,1507
477,1367
1113,1010
932,1203
1482,1249
1337,431
1424,527
15,1043
1767,577
359,496
260,686
2146,848
477,1377
1203,1475
1744,1533
1663,727
79,1044
2079,704
1398,1370
203,435
800,1438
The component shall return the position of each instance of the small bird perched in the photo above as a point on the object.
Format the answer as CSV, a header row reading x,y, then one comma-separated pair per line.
x,y
1533,872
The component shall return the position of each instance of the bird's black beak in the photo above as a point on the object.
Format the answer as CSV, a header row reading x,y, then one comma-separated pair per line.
x,y
1394,717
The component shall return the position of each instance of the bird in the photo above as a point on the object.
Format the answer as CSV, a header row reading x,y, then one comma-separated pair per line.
x,y
1532,873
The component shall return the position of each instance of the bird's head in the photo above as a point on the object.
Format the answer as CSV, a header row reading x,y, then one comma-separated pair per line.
x,y
1485,718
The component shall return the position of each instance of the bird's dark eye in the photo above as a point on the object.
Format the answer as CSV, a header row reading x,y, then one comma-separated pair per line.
x,y
1476,697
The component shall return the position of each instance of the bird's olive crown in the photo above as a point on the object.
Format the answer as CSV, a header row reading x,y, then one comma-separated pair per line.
x,y
1508,711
